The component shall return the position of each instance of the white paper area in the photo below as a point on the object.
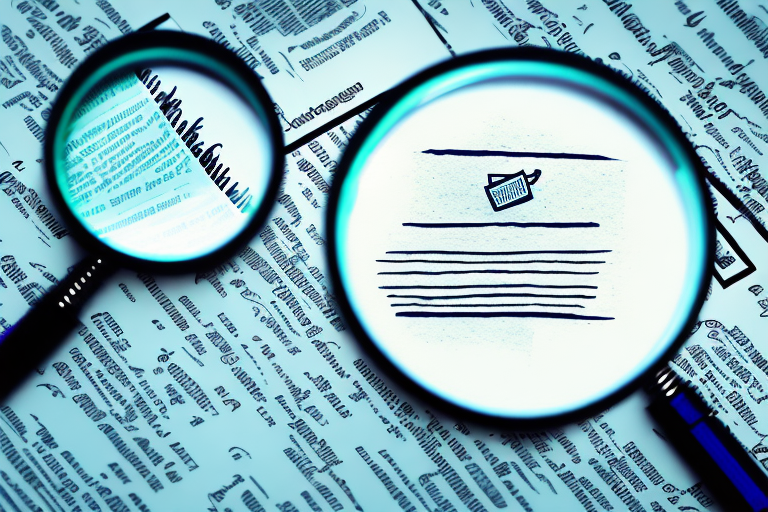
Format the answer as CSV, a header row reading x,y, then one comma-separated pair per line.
x,y
629,206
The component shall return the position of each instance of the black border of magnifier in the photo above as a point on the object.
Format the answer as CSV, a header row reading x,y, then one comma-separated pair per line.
x,y
519,54
174,40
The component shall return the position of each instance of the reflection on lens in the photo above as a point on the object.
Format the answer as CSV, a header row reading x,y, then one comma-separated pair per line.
x,y
521,238
163,163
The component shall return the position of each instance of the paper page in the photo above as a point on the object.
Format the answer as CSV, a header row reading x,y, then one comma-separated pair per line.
x,y
303,51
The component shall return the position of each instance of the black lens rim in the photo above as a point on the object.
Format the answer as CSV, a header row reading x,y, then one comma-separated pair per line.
x,y
139,41
526,54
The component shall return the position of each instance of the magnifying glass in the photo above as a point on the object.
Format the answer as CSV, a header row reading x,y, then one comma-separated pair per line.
x,y
163,154
520,236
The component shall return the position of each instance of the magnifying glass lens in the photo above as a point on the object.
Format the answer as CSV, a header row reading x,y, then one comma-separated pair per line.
x,y
164,155
522,236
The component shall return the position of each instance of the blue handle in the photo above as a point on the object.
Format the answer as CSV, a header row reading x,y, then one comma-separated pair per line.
x,y
709,447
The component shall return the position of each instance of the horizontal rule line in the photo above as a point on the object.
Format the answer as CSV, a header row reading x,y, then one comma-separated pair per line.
x,y
555,225
474,295
463,286
493,262
499,253
498,314
442,272
515,154
399,305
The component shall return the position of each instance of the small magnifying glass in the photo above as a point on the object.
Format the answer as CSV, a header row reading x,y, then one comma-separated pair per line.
x,y
163,154
520,236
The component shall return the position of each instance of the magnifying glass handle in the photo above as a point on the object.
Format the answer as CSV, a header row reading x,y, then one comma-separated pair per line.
x,y
707,444
33,338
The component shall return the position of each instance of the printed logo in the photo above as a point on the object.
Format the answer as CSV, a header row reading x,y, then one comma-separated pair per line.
x,y
508,190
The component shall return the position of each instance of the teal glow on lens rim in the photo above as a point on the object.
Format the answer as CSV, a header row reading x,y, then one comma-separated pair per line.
x,y
687,178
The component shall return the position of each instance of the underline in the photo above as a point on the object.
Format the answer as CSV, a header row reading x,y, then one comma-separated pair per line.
x,y
486,262
501,224
497,314
489,295
498,253
462,286
442,272
416,304
515,154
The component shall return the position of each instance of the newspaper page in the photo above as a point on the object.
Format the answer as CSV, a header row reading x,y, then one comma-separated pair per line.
x,y
304,50
240,388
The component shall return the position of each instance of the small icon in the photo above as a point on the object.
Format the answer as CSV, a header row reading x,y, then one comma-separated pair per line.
x,y
508,190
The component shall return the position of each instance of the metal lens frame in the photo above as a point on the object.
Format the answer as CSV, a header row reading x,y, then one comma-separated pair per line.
x,y
578,72
151,49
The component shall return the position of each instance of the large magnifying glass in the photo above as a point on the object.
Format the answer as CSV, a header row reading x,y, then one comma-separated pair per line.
x,y
163,153
520,235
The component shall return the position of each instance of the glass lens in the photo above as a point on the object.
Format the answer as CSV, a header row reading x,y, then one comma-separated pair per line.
x,y
163,163
521,239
